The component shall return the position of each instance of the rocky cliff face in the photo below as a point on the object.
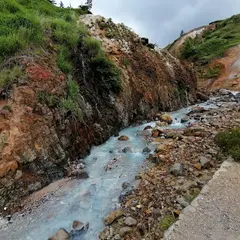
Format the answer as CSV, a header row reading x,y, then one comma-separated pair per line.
x,y
39,142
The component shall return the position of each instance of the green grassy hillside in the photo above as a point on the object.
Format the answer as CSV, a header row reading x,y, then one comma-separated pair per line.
x,y
32,26
213,43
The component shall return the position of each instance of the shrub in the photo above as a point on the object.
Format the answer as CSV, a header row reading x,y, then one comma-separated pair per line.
x,y
166,222
106,74
93,47
188,49
49,99
71,102
63,60
229,142
213,71
9,76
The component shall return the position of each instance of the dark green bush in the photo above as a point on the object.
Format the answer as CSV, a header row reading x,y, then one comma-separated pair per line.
x,y
106,74
229,142
63,60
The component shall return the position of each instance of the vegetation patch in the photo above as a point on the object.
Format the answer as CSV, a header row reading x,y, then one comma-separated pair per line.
x,y
193,193
213,71
9,76
229,142
213,44
166,222
71,103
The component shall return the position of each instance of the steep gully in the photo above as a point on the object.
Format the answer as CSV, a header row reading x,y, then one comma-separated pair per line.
x,y
87,200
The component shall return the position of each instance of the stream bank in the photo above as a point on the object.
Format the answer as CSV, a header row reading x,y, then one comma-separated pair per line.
x,y
178,174
92,199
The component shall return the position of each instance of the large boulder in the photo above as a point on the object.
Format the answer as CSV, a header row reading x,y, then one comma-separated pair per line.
x,y
61,234
166,118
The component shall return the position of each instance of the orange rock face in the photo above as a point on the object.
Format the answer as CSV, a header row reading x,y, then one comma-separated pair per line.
x,y
5,167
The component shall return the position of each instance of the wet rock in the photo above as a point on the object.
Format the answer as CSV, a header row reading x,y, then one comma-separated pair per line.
x,y
147,128
176,169
80,174
123,138
205,162
61,234
78,226
196,109
145,133
130,222
185,119
124,231
156,133
113,216
125,185
182,202
79,229
146,150
166,118
161,124
127,150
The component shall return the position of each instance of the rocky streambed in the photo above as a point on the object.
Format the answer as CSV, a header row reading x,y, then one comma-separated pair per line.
x,y
180,159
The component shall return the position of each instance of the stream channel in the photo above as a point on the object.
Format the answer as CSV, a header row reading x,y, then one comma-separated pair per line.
x,y
89,200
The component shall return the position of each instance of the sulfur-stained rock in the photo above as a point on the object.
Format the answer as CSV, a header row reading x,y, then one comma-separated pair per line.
x,y
166,118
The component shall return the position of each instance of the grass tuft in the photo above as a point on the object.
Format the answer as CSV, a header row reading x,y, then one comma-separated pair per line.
x,y
229,142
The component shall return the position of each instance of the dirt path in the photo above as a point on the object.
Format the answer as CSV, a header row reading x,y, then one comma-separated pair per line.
x,y
215,213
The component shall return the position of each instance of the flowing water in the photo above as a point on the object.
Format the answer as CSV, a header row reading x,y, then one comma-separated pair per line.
x,y
92,199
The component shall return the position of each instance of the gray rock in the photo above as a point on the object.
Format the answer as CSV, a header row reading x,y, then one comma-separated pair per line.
x,y
82,174
130,222
124,231
147,128
125,185
146,150
182,202
61,234
127,150
145,133
176,169
205,162
78,226
185,119
224,91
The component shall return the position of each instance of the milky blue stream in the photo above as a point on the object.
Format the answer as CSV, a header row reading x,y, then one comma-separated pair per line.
x,y
87,200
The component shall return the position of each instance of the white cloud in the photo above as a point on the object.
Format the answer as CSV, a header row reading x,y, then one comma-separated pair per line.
x,y
163,20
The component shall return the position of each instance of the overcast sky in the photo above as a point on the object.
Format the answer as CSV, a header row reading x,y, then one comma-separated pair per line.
x,y
162,20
